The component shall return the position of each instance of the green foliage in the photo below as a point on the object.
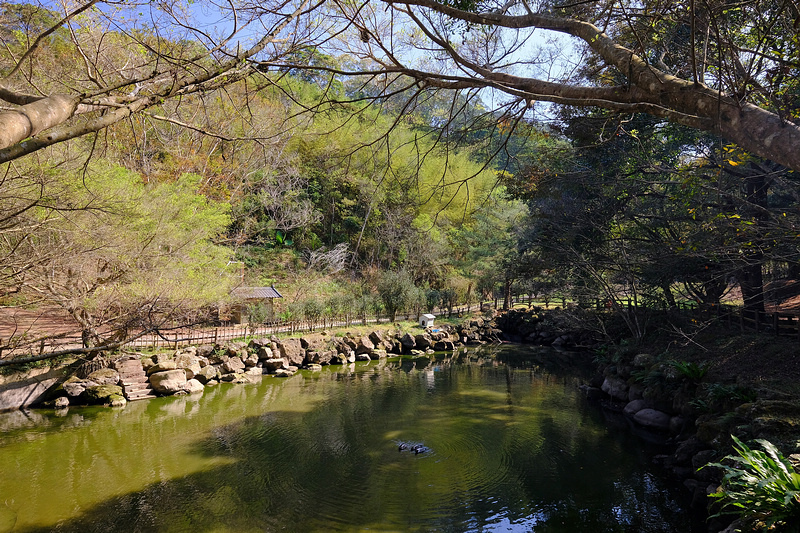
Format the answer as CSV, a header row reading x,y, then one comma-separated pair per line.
x,y
259,313
760,486
129,251
397,292
432,299
449,298
720,392
719,397
690,370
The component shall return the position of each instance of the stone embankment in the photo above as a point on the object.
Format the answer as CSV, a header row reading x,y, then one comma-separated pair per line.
x,y
546,327
113,380
134,376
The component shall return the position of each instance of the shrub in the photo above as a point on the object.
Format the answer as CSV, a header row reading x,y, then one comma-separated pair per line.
x,y
691,371
760,486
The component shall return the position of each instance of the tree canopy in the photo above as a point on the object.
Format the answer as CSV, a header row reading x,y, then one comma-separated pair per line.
x,y
723,67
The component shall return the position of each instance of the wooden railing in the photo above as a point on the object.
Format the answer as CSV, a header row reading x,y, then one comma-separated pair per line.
x,y
732,316
184,336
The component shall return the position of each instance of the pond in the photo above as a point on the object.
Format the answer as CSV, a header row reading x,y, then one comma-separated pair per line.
x,y
508,446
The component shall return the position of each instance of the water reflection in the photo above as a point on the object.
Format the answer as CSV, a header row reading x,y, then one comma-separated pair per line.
x,y
509,449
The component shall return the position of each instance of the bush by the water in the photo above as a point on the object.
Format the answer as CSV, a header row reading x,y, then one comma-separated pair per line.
x,y
760,486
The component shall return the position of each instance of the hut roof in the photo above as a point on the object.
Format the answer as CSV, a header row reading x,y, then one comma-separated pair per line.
x,y
251,293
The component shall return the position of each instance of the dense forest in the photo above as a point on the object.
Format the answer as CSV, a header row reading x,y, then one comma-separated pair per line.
x,y
179,170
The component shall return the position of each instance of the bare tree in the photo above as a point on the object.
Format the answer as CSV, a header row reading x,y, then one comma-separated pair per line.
x,y
130,62
704,65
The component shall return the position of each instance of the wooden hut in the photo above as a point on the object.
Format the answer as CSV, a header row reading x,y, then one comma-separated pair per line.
x,y
247,297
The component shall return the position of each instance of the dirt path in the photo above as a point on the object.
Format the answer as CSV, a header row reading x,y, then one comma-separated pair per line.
x,y
34,323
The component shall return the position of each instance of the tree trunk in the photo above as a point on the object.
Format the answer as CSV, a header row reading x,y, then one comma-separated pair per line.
x,y
752,275
668,296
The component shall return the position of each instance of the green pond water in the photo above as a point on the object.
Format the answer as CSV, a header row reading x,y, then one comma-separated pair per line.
x,y
510,445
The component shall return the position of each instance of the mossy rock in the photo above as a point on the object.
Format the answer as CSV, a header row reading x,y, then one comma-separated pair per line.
x,y
714,430
102,394
774,420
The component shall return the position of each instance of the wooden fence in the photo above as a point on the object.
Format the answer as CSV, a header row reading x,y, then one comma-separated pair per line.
x,y
211,335
184,336
731,316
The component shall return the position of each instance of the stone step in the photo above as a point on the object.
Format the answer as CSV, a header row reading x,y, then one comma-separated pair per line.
x,y
138,392
131,370
140,395
129,387
133,380
133,377
128,362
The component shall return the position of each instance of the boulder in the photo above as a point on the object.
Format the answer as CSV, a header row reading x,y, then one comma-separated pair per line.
x,y
676,425
232,366
701,459
378,354
320,358
271,365
193,386
615,387
104,376
292,350
251,361
190,350
438,335
687,449
365,345
363,357
235,348
315,342
633,407
162,366
344,358
147,363
476,322
349,342
314,368
635,392
376,337
235,378
423,341
408,342
593,394
186,360
74,387
643,360
192,371
102,394
117,401
218,357
284,372
161,358
62,402
205,350
255,344
652,419
206,374
444,346
264,352
168,381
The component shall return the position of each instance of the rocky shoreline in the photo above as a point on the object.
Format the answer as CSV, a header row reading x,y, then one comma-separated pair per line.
x,y
108,381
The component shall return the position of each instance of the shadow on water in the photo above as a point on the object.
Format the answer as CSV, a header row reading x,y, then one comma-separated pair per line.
x,y
508,449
